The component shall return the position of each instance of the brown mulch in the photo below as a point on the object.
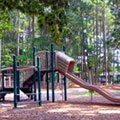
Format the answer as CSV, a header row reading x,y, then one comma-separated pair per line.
x,y
71,110
76,108
113,87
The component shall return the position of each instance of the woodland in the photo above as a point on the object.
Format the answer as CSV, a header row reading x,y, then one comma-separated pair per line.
x,y
90,30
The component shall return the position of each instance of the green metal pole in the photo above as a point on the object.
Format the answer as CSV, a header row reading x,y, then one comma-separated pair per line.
x,y
3,83
31,89
58,78
2,79
34,54
47,79
39,81
53,73
15,81
18,83
65,81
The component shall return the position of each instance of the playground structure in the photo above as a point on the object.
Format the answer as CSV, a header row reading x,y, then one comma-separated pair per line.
x,y
11,80
60,63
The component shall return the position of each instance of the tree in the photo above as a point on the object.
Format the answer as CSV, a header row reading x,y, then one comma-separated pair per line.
x,y
97,40
104,44
4,25
51,14
18,34
87,31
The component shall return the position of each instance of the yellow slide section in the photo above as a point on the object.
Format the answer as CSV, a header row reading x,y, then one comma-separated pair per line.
x,y
85,85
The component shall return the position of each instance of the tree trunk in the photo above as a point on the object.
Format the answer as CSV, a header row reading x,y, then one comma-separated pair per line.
x,y
92,77
29,26
33,30
23,39
18,35
96,63
104,45
28,33
82,52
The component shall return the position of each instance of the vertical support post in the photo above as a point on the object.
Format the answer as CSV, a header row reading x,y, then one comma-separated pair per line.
x,y
91,95
15,81
39,81
2,79
18,83
31,89
34,53
65,81
53,71
47,79
3,83
58,80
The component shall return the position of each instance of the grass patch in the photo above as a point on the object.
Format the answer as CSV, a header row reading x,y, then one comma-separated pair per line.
x,y
88,94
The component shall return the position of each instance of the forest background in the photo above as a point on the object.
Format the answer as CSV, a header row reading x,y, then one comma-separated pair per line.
x,y
90,30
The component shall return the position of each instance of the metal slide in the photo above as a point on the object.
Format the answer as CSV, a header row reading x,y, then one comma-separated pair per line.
x,y
97,89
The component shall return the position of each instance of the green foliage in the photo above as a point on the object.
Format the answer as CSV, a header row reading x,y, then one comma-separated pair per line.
x,y
54,22
76,68
69,22
110,58
51,14
4,22
7,58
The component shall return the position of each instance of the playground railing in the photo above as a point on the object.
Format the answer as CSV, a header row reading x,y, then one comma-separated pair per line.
x,y
44,56
6,79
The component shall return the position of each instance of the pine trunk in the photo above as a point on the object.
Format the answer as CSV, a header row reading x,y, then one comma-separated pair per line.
x,y
18,35
96,63
33,31
105,47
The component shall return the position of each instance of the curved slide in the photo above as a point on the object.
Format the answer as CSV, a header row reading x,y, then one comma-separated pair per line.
x,y
85,85
65,65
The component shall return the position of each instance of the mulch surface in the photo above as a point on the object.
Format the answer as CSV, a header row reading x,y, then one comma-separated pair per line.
x,y
76,108
62,111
